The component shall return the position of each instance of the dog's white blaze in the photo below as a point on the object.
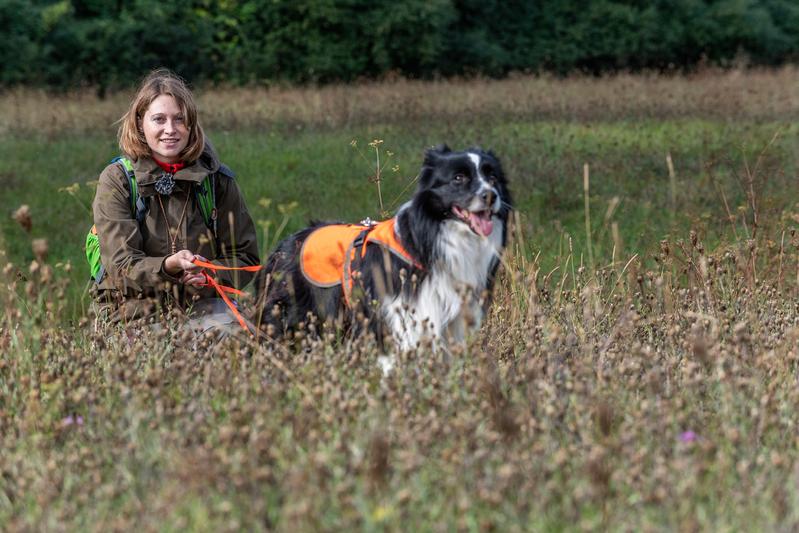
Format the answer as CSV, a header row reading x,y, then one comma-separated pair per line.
x,y
448,301
484,186
476,160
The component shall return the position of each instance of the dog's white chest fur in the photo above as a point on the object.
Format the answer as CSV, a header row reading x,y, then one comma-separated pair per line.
x,y
447,305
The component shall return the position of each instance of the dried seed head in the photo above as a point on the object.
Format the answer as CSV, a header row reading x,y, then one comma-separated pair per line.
x,y
603,417
23,217
700,346
740,332
379,448
46,274
40,249
599,472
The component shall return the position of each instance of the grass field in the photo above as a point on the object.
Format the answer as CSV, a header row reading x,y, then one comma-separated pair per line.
x,y
638,370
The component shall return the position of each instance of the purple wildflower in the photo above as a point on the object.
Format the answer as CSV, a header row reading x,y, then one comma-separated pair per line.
x,y
70,420
688,436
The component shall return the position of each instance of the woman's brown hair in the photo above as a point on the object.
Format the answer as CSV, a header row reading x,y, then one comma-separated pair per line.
x,y
159,82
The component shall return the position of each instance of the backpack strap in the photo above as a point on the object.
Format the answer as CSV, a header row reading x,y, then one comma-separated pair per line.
x,y
205,193
138,205
226,171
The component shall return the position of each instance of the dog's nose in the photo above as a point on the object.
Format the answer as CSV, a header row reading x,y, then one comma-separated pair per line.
x,y
488,197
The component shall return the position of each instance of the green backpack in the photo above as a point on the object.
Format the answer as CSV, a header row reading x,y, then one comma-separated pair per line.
x,y
204,193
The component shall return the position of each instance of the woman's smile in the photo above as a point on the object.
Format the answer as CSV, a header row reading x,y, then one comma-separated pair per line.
x,y
165,129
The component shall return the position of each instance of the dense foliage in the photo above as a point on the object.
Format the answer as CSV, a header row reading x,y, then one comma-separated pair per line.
x,y
103,44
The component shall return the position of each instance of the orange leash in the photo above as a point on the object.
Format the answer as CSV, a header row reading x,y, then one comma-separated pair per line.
x,y
223,290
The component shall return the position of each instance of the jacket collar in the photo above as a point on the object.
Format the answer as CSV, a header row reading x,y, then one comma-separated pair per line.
x,y
147,170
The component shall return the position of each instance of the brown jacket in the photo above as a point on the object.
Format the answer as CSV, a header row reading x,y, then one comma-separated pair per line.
x,y
133,255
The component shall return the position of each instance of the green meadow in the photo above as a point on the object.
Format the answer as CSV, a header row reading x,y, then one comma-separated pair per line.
x,y
292,175
636,371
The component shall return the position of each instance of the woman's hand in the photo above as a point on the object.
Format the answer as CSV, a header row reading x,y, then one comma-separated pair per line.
x,y
196,280
183,261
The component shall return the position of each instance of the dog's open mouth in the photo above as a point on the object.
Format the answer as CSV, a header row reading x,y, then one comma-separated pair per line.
x,y
479,221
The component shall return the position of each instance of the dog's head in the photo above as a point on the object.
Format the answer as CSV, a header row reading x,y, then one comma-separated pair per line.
x,y
467,186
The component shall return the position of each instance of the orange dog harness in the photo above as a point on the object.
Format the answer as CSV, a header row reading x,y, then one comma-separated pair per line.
x,y
327,254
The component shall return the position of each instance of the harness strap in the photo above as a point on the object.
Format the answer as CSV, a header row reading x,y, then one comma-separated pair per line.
x,y
349,255
224,290
361,242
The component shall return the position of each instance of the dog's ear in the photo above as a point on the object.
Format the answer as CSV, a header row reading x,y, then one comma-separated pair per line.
x,y
497,162
492,155
431,155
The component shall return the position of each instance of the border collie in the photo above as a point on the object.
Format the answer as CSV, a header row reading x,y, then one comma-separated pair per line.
x,y
432,282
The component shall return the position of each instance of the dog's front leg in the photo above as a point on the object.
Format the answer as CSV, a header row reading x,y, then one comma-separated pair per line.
x,y
408,323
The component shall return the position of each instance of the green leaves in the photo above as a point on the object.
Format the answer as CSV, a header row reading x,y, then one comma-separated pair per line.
x,y
71,43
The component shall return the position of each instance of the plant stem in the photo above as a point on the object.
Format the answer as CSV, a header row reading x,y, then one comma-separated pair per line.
x,y
587,216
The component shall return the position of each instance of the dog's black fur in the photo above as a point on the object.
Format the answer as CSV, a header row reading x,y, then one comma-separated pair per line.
x,y
442,227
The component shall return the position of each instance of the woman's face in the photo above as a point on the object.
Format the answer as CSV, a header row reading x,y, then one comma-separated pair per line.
x,y
165,129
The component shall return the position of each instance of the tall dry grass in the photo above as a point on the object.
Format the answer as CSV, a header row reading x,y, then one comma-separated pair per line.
x,y
732,94
622,398
646,393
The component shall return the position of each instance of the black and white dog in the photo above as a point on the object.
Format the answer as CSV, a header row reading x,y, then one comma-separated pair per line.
x,y
431,281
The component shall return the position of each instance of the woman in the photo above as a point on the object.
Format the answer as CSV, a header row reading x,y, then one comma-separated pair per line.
x,y
149,263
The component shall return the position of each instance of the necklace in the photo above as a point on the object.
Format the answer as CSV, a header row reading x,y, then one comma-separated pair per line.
x,y
173,236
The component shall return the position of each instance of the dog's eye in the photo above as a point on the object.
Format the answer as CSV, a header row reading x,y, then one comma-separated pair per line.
x,y
492,180
459,178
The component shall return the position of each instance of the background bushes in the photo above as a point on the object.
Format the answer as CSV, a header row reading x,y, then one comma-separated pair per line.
x,y
72,43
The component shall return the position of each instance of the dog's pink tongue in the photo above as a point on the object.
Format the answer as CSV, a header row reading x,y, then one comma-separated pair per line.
x,y
482,223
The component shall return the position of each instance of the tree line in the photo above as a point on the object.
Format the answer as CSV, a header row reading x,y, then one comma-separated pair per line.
x,y
112,43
